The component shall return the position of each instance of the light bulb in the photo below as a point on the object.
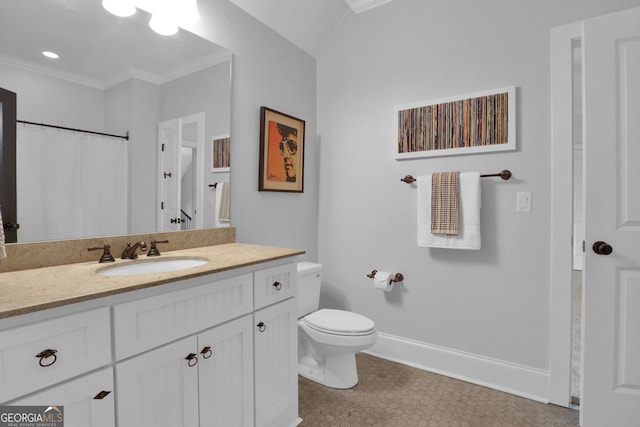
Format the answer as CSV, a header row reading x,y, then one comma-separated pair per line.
x,y
120,7
163,24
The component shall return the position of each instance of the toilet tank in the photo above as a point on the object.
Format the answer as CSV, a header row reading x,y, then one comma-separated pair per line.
x,y
309,280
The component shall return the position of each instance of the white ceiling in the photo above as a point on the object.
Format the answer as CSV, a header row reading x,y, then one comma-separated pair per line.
x,y
99,49
96,48
308,24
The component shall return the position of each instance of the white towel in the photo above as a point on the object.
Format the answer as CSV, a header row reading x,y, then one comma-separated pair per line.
x,y
222,218
469,234
3,251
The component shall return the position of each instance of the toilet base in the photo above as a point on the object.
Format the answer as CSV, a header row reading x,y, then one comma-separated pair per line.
x,y
337,371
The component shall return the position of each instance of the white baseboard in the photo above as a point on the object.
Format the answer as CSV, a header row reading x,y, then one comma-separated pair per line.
x,y
511,378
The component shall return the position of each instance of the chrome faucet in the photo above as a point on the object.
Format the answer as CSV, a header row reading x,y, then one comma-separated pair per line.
x,y
130,252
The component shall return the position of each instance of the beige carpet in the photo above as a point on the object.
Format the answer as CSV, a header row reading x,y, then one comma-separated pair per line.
x,y
395,395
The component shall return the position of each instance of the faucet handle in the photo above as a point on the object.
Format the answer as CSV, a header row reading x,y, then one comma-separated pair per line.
x,y
106,255
153,250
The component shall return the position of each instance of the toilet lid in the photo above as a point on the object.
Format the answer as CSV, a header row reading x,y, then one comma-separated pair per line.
x,y
339,322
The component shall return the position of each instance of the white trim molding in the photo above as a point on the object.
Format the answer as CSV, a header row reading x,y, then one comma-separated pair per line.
x,y
523,381
561,232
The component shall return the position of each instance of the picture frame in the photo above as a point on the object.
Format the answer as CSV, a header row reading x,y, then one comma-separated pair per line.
x,y
281,163
478,122
220,159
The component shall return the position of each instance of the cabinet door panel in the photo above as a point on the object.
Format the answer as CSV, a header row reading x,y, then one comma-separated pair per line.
x,y
81,408
158,388
226,374
143,324
276,364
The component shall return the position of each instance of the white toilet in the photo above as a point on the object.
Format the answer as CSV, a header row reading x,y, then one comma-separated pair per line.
x,y
328,339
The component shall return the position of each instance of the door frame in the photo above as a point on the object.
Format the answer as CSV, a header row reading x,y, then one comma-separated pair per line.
x,y
8,193
561,211
199,120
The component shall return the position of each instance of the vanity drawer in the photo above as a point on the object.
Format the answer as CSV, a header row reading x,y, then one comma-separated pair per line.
x,y
274,284
76,343
150,322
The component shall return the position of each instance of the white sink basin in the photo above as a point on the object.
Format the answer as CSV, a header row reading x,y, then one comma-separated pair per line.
x,y
151,266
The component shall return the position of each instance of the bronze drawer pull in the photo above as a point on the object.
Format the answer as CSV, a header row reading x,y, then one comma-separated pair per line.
x,y
45,354
206,352
277,285
102,395
261,326
192,359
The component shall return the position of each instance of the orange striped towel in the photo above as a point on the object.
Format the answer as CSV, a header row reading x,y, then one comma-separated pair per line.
x,y
445,203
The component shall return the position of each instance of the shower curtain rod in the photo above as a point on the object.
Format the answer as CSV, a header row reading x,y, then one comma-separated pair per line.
x,y
126,136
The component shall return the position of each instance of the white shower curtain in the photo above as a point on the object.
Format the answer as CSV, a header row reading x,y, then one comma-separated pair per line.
x,y
70,184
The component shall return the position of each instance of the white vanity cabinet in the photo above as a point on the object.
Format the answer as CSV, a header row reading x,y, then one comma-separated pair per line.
x,y
276,347
202,380
218,349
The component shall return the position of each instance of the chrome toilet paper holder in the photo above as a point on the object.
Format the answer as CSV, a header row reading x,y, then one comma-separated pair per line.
x,y
397,278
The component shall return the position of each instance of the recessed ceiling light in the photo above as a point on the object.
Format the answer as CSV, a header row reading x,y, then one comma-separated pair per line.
x,y
51,55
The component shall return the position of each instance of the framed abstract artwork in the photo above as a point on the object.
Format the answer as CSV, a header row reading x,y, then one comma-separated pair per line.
x,y
281,165
473,123
220,153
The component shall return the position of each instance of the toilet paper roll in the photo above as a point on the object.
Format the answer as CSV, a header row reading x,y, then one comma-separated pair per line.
x,y
382,281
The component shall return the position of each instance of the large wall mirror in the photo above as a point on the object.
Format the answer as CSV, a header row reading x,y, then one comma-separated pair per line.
x,y
115,76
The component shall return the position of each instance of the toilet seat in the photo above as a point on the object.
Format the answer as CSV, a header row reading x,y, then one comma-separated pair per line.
x,y
340,322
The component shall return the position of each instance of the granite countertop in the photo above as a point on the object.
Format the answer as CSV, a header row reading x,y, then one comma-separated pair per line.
x,y
37,289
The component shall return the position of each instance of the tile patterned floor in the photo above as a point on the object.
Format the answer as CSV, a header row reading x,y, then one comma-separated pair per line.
x,y
395,395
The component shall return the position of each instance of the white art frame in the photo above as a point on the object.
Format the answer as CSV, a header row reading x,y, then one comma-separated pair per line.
x,y
410,119
217,164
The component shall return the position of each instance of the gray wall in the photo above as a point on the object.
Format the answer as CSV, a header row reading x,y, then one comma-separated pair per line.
x,y
492,303
269,71
45,99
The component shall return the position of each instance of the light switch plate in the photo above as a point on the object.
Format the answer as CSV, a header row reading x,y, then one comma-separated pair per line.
x,y
523,201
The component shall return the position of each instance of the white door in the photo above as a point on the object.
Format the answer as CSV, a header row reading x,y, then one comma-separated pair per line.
x,y
169,175
611,358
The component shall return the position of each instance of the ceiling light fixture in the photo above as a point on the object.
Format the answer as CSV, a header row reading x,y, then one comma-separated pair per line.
x,y
50,54
166,15
120,7
163,24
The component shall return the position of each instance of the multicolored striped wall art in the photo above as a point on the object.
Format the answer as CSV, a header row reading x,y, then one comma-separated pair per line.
x,y
474,123
220,152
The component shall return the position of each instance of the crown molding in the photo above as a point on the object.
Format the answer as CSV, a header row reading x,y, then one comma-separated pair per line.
x,y
201,63
50,72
